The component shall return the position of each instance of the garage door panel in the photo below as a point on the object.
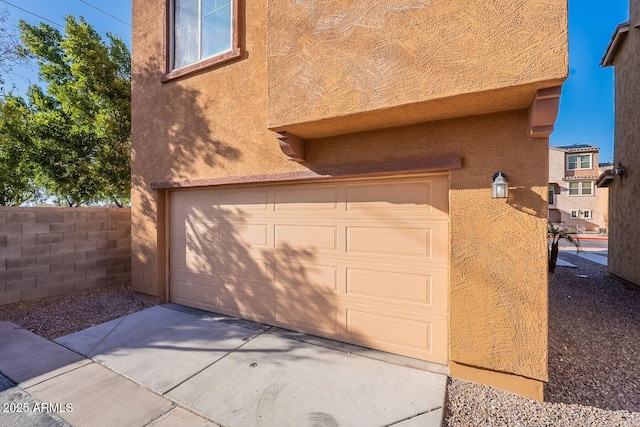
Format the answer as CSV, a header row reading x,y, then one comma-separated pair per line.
x,y
254,305
298,314
424,340
239,200
292,199
245,235
195,262
194,204
389,241
195,291
246,267
199,234
311,237
428,289
306,277
426,199
387,329
374,198
396,286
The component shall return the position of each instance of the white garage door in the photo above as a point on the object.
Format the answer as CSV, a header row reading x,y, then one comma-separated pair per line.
x,y
361,261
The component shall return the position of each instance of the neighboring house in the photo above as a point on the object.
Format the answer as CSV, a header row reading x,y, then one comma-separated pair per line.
x,y
623,181
574,200
327,167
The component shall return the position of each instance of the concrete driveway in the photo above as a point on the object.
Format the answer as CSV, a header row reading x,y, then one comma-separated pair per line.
x,y
171,366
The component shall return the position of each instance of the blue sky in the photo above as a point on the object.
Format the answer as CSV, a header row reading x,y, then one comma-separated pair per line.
x,y
586,105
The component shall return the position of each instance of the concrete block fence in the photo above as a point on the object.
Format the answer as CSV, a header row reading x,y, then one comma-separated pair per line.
x,y
50,251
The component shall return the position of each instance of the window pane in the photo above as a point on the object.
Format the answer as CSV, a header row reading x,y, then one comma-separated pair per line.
x,y
585,161
586,188
574,188
572,162
216,27
185,33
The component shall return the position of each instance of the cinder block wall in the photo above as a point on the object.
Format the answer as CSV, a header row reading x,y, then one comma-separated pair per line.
x,y
50,251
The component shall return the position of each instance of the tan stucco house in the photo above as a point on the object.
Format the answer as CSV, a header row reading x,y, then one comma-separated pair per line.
x,y
623,181
575,202
327,167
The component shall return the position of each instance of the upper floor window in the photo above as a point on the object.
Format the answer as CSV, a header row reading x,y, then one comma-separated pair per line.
x,y
579,161
201,33
582,188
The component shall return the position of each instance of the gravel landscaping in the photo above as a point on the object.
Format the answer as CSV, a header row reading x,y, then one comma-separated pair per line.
x,y
594,356
54,317
594,350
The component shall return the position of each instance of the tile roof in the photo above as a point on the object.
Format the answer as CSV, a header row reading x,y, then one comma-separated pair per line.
x,y
580,178
577,147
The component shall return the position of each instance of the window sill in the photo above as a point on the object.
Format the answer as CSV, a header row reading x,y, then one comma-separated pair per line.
x,y
203,65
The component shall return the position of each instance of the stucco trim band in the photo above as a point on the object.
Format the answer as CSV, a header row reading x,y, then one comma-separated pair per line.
x,y
388,168
527,387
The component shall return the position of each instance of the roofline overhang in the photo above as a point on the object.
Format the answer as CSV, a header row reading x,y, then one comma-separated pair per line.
x,y
606,178
616,41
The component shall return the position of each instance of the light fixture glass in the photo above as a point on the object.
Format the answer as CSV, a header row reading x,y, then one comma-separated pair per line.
x,y
500,186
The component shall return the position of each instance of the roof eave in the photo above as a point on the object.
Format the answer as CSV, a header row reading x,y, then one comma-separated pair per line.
x,y
616,41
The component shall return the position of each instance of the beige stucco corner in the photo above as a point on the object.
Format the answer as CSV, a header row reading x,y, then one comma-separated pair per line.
x,y
527,387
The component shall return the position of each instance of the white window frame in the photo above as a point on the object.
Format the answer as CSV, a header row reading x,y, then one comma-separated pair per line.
x,y
587,214
581,191
574,214
579,161
570,189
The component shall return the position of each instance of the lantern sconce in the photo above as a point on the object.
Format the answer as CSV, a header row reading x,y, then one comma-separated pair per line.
x,y
621,171
500,186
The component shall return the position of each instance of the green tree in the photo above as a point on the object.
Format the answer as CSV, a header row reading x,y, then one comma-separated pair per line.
x,y
81,123
17,184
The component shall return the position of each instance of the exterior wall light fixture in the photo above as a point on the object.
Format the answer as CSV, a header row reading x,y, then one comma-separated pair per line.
x,y
621,171
500,186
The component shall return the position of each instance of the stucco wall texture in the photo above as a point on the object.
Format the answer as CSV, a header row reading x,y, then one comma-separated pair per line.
x,y
215,124
624,234
327,60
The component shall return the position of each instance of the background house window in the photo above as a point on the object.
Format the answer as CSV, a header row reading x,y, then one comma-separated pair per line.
x,y
586,214
551,193
201,29
574,214
579,161
581,188
574,188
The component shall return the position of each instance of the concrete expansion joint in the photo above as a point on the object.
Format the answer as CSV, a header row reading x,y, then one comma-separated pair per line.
x,y
104,338
395,423
186,408
245,341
